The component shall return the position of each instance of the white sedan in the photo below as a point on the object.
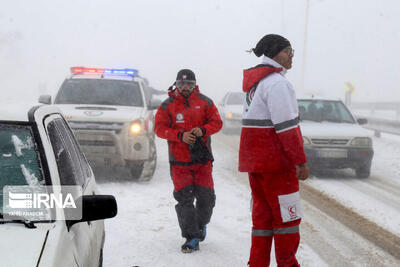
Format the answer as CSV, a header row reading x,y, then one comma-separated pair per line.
x,y
333,138
37,148
231,110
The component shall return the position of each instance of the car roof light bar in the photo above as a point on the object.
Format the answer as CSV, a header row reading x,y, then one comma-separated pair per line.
x,y
84,70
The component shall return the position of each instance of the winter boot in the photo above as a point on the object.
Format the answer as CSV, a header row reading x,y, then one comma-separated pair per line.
x,y
203,233
190,245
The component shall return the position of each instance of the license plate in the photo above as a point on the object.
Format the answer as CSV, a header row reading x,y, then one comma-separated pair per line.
x,y
332,153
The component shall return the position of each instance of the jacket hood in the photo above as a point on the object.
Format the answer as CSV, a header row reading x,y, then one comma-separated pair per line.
x,y
253,75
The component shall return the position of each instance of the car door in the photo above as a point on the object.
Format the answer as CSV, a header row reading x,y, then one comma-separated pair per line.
x,y
96,228
71,173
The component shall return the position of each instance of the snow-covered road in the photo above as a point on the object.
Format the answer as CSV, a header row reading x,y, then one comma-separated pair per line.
x,y
146,233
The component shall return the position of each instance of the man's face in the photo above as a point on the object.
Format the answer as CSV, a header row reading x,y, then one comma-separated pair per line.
x,y
185,87
284,57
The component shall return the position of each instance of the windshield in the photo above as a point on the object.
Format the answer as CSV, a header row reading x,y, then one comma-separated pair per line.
x,y
324,110
100,92
18,158
235,99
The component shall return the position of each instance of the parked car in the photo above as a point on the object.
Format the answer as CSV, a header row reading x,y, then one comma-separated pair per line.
x,y
112,114
231,110
333,138
39,148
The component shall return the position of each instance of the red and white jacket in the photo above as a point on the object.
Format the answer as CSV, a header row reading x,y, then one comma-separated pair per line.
x,y
178,114
271,139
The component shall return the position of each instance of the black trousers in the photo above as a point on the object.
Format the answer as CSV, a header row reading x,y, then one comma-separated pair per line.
x,y
194,209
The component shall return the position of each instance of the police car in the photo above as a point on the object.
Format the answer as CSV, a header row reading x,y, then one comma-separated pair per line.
x,y
38,149
333,138
112,114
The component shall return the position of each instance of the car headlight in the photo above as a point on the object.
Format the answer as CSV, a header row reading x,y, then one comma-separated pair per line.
x,y
135,128
361,141
306,141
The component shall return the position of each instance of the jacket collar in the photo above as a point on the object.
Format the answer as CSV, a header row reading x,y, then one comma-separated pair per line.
x,y
268,61
252,76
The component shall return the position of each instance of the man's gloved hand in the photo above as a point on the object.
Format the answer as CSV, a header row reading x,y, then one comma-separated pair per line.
x,y
302,171
189,138
197,132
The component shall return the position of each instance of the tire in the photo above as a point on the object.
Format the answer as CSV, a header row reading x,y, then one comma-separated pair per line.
x,y
136,170
363,171
151,164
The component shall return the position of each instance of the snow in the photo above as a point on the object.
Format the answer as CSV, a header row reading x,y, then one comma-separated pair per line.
x,y
146,232
30,177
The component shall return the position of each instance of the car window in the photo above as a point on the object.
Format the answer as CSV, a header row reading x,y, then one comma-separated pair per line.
x,y
87,171
147,94
235,99
324,110
100,92
19,158
68,161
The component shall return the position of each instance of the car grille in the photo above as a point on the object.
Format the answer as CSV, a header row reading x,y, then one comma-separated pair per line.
x,y
103,126
95,143
337,142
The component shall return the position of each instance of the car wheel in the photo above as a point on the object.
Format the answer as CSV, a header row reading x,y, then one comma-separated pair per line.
x,y
150,165
136,170
101,258
363,171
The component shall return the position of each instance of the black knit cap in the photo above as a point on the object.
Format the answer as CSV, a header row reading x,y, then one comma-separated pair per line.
x,y
185,74
271,45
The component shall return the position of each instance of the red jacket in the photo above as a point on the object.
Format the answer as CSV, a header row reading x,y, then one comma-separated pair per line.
x,y
178,114
270,140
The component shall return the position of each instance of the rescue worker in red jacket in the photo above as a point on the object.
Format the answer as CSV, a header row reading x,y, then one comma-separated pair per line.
x,y
187,119
271,151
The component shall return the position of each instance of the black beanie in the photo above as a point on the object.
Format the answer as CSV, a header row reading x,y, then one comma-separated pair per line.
x,y
271,45
185,74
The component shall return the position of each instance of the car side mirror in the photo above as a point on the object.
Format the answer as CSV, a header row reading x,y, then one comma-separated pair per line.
x,y
96,207
154,103
362,121
45,99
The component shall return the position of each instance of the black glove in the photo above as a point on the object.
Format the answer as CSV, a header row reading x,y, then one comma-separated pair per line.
x,y
199,152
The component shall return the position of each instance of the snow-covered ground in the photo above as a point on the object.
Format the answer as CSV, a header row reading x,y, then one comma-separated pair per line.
x,y
146,231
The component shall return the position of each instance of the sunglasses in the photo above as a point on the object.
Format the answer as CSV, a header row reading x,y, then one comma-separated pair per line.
x,y
185,83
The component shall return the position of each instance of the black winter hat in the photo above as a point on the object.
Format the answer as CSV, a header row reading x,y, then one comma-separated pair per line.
x,y
185,74
271,45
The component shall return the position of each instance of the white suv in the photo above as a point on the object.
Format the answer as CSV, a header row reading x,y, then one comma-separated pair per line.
x,y
112,114
38,149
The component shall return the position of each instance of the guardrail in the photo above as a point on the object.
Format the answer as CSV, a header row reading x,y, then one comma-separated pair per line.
x,y
378,124
373,107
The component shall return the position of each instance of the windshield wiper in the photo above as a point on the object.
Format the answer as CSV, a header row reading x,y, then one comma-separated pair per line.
x,y
18,219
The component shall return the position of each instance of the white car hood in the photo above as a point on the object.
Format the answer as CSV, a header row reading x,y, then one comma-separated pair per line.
x,y
101,113
21,246
332,130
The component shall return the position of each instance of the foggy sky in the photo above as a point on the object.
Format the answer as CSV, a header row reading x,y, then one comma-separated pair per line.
x,y
348,41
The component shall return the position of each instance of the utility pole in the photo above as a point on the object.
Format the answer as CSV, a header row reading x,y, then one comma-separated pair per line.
x,y
303,68
283,17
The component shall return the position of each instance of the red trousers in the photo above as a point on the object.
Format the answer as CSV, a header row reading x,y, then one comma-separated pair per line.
x,y
276,215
